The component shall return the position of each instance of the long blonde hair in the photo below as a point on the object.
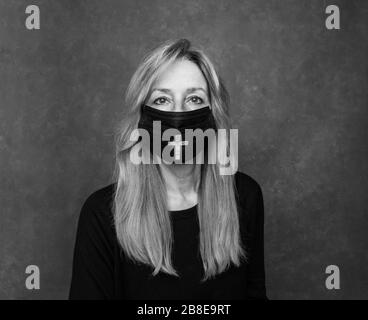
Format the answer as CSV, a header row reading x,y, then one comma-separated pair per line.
x,y
142,220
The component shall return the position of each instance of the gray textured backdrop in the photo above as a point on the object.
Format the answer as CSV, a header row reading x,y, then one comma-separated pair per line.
x,y
299,99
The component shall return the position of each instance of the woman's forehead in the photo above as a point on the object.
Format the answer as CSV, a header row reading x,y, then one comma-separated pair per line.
x,y
181,74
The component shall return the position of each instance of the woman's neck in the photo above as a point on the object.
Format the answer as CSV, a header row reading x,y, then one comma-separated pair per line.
x,y
182,181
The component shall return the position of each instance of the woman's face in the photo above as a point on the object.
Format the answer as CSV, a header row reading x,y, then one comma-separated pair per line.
x,y
179,87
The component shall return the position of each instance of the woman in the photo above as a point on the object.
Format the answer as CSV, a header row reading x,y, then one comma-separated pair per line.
x,y
179,229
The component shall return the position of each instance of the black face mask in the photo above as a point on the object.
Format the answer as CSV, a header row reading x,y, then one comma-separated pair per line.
x,y
196,119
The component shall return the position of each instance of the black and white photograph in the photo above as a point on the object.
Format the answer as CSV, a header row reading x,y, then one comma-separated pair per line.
x,y
183,151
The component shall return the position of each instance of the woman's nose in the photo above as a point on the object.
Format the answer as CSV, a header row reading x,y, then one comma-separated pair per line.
x,y
180,106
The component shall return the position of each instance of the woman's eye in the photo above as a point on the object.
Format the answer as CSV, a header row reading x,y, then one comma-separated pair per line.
x,y
160,100
196,99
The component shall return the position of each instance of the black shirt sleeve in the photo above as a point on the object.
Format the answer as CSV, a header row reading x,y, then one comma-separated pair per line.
x,y
256,288
93,261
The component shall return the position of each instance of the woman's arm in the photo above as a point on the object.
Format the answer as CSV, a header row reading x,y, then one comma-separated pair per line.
x,y
93,267
256,288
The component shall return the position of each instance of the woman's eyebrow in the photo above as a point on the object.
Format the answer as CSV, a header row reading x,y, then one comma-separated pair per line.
x,y
189,90
161,90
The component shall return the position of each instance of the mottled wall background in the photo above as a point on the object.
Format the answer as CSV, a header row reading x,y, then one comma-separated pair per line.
x,y
299,99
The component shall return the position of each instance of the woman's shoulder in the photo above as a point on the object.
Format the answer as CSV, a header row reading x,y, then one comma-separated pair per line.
x,y
248,189
250,200
97,207
246,183
101,197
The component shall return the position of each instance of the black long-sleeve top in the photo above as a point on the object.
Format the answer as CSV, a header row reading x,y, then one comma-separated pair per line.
x,y
101,271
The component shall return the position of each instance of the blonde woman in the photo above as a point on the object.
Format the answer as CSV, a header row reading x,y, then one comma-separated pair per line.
x,y
172,230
